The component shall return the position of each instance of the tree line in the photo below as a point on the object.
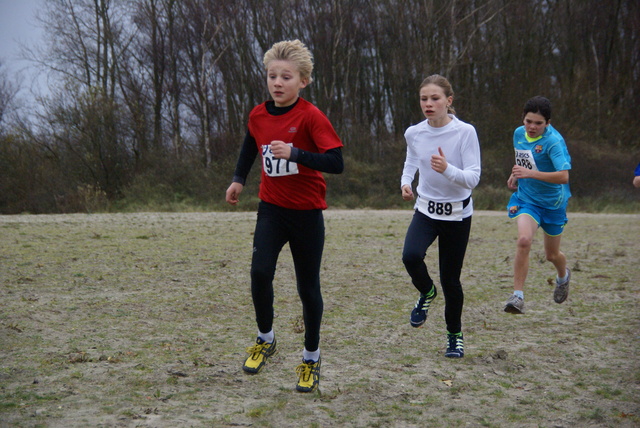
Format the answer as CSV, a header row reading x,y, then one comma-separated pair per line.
x,y
162,88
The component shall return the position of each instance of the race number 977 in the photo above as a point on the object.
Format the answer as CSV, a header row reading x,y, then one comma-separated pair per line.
x,y
274,167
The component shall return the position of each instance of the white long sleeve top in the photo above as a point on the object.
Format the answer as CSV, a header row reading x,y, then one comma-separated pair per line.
x,y
459,143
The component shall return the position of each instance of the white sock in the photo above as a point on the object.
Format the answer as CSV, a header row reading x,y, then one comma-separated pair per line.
x,y
267,337
519,293
561,280
313,356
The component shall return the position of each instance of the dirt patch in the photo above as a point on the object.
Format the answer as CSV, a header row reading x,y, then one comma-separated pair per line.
x,y
143,319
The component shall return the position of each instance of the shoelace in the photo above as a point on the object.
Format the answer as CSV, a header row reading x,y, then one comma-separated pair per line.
x,y
425,302
456,342
256,349
304,370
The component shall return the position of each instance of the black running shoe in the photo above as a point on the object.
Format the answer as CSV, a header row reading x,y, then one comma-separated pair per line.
x,y
421,309
455,345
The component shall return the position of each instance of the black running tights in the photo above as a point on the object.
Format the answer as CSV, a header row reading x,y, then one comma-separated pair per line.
x,y
304,231
453,237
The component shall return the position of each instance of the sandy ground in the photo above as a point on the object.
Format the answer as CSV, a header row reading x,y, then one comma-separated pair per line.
x,y
129,320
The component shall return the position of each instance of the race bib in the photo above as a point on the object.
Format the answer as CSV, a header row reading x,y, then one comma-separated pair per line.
x,y
450,211
524,158
277,167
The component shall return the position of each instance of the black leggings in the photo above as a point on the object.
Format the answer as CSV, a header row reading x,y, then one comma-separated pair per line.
x,y
452,245
304,231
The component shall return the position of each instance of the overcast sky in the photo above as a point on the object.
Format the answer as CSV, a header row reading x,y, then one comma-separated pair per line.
x,y
17,25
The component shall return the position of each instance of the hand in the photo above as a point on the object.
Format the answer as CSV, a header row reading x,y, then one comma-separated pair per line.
x,y
521,172
233,193
512,183
280,150
439,162
407,193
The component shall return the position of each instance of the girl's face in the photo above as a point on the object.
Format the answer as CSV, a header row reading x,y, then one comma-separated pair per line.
x,y
434,102
535,124
284,82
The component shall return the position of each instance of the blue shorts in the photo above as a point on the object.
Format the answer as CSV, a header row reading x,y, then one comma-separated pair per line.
x,y
551,221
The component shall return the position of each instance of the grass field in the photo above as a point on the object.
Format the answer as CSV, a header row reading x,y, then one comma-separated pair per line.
x,y
142,320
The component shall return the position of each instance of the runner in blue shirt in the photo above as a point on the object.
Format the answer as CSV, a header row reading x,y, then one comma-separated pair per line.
x,y
636,179
540,178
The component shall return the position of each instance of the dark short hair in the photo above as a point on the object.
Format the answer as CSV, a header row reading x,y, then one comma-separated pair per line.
x,y
539,105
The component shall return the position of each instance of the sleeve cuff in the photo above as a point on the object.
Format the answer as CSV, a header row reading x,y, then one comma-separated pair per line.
x,y
295,153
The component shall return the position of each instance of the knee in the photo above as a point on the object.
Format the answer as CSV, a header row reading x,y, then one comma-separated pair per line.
x,y
410,258
310,293
524,243
452,290
261,275
553,257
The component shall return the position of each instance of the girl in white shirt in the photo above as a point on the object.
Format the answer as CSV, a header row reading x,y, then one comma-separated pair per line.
x,y
446,153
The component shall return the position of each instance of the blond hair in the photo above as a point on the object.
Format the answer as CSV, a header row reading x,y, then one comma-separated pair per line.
x,y
294,51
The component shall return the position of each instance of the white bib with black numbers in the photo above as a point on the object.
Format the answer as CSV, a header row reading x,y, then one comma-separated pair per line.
x,y
450,211
277,167
524,158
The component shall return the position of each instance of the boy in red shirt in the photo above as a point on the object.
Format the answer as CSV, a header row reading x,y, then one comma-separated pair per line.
x,y
296,143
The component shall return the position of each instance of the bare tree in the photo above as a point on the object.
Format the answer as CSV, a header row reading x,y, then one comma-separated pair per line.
x,y
139,85
8,91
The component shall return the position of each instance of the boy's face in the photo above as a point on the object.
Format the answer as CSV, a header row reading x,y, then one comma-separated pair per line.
x,y
535,124
284,82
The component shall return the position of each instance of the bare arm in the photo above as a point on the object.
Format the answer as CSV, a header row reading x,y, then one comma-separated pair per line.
x,y
555,177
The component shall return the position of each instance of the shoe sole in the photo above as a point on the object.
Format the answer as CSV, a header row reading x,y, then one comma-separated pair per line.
x,y
304,390
251,370
454,355
561,300
417,325
513,310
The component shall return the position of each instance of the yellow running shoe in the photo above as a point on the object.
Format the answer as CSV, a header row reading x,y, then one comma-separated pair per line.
x,y
258,355
309,375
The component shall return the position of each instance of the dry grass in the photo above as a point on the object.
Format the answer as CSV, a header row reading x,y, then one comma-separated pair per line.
x,y
142,320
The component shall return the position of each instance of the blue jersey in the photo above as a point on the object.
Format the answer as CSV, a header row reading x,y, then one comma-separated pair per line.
x,y
637,171
547,153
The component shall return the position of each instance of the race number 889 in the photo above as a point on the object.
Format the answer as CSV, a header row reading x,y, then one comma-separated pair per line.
x,y
439,208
